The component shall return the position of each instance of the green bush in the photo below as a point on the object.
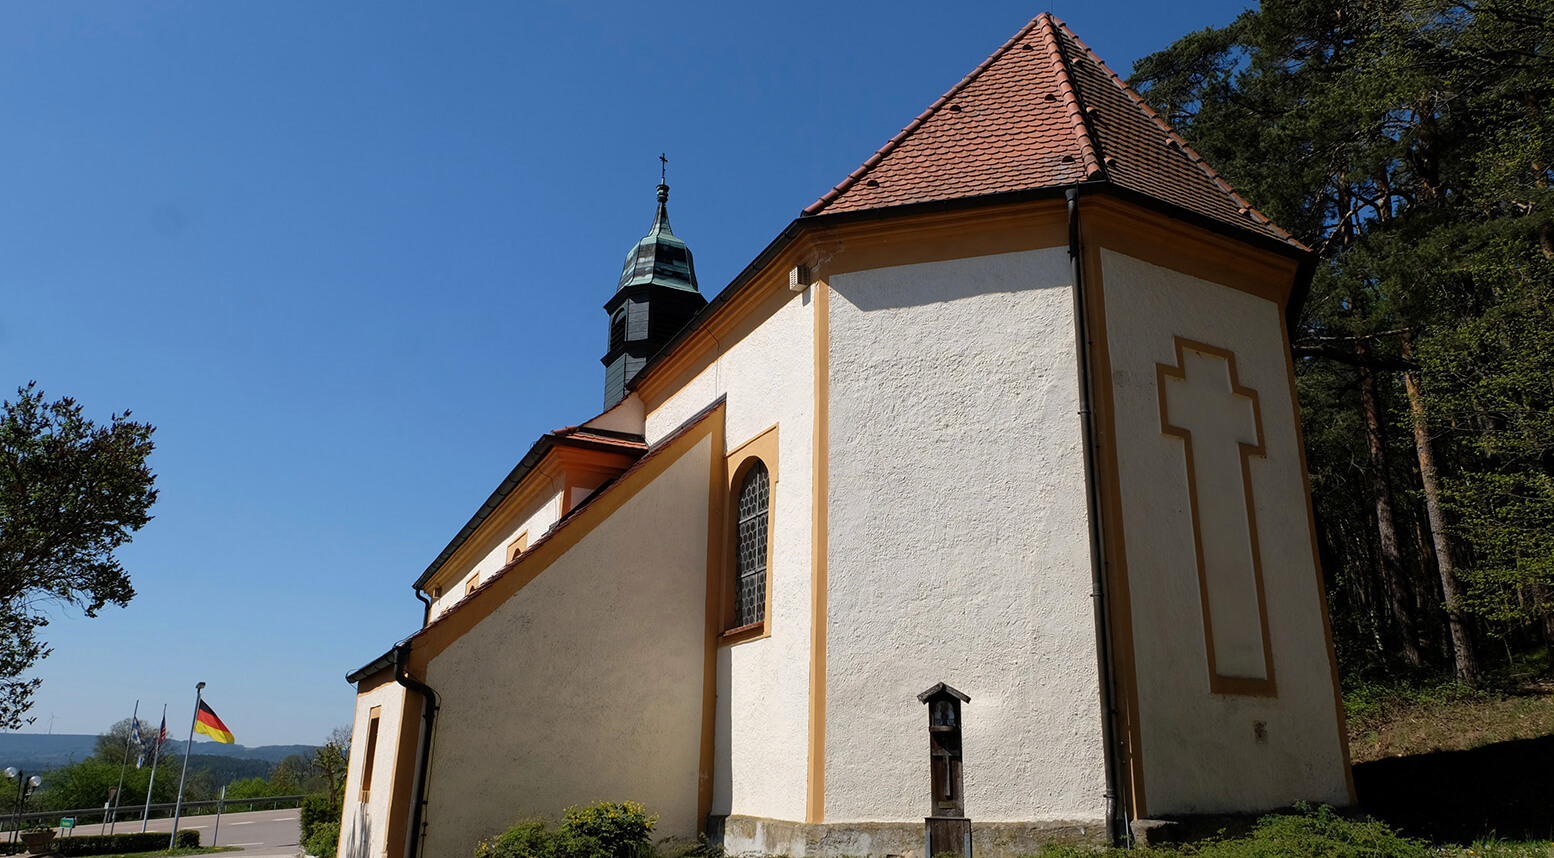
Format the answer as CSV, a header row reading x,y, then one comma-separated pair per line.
x,y
317,810
603,829
622,829
114,844
1306,833
325,840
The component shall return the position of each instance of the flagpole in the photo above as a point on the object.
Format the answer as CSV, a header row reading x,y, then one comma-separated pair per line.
x,y
178,806
134,723
156,755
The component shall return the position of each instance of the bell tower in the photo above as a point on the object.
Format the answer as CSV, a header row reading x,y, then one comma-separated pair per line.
x,y
656,296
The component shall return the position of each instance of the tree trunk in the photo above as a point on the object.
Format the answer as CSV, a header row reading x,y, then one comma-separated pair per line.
x,y
1386,526
1445,561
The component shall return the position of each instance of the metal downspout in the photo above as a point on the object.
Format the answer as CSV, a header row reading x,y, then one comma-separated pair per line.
x,y
423,756
1115,830
426,615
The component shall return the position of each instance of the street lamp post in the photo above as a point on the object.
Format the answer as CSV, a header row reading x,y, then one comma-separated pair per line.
x,y
24,788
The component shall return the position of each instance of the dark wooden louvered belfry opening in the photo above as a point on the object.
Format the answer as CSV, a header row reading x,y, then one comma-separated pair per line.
x,y
947,830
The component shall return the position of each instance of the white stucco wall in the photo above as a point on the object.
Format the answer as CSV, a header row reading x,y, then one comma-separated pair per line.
x,y
1199,749
363,826
586,684
762,740
536,520
958,542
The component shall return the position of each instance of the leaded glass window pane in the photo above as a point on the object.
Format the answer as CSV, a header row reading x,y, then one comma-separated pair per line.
x,y
750,547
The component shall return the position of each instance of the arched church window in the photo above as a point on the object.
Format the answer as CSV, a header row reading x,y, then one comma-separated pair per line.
x,y
750,546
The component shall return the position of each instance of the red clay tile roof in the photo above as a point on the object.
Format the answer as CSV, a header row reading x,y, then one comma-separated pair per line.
x,y
630,443
1042,112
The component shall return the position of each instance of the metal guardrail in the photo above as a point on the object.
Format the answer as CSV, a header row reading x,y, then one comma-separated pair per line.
x,y
85,816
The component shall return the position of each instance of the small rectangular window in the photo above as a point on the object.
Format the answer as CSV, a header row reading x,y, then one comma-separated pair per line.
x,y
372,751
518,546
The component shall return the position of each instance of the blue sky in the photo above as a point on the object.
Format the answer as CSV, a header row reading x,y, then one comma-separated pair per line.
x,y
350,260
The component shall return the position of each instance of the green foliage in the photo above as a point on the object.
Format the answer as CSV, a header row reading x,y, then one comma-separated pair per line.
x,y
620,828
111,844
319,811
1411,144
114,746
87,784
251,788
71,493
295,774
325,840
603,829
1365,701
330,760
1306,833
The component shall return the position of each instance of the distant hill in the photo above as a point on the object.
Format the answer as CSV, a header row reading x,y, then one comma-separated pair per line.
x,y
41,751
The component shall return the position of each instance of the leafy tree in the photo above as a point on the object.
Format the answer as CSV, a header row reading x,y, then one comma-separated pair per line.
x,y
291,775
331,759
113,745
71,492
251,788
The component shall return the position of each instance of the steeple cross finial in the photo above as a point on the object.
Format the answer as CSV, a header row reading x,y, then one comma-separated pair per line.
x,y
663,168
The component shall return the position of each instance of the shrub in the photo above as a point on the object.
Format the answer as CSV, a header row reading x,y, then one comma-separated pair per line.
x,y
317,810
1306,833
600,830
112,844
622,829
1320,833
527,839
325,840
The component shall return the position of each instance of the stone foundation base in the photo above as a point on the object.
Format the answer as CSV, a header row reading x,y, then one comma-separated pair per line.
x,y
752,835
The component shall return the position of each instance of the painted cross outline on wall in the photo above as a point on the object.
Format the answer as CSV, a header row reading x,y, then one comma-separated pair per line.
x,y
1219,684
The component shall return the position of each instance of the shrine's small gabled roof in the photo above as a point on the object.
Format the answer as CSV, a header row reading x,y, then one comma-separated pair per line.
x,y
940,688
1042,112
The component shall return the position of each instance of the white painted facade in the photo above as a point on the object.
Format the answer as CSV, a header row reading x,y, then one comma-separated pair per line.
x,y
362,831
958,543
534,522
957,551
1201,751
767,379
587,683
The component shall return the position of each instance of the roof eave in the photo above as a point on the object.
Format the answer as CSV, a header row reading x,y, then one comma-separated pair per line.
x,y
372,668
514,478
806,222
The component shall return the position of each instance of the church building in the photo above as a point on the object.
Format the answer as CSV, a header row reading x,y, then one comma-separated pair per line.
x,y
973,513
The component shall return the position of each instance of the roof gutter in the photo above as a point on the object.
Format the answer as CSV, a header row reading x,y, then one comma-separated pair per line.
x,y
423,756
1116,829
825,220
529,462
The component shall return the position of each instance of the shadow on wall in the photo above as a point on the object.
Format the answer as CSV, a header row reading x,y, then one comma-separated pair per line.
x,y
1505,790
958,279
361,838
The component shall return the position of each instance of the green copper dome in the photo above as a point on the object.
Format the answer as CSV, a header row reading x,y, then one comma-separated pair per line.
x,y
659,258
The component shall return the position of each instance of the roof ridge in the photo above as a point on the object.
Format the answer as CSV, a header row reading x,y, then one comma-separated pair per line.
x,y
1070,94
890,145
1176,139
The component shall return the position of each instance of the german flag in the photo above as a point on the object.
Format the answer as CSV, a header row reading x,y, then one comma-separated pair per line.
x,y
205,721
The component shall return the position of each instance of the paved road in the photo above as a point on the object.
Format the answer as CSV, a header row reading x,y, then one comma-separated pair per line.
x,y
260,833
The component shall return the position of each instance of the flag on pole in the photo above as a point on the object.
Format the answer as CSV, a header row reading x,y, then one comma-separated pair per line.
x,y
140,747
161,734
205,721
